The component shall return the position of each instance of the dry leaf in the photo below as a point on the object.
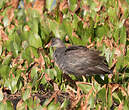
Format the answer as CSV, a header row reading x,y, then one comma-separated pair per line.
x,y
10,13
3,34
126,24
120,107
63,5
27,5
117,52
39,5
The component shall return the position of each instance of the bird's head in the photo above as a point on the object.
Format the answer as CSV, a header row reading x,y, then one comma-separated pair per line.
x,y
56,42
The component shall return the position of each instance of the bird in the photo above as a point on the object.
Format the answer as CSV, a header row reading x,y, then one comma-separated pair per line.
x,y
78,60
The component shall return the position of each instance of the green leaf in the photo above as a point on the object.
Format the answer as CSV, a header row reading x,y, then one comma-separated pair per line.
x,y
65,104
73,4
51,72
4,71
50,4
21,105
109,98
20,80
2,4
35,40
53,106
25,44
11,83
57,29
96,85
47,61
84,33
20,13
45,28
26,54
6,105
101,95
102,30
85,87
7,60
126,103
1,95
1,50
43,81
33,103
112,15
91,100
115,33
67,27
120,62
116,98
34,51
59,75
34,25
32,14
123,36
75,21
108,54
34,75
26,94
6,21
126,61
14,44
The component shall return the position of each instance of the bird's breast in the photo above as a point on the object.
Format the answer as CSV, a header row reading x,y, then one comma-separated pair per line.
x,y
58,57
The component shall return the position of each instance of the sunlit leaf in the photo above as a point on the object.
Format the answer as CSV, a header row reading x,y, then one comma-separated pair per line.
x,y
26,94
1,95
0,50
65,104
73,4
91,100
26,54
35,40
4,71
57,29
43,81
7,60
51,72
101,95
6,106
34,103
85,87
50,4
53,106
109,100
116,98
102,30
6,21
21,105
123,36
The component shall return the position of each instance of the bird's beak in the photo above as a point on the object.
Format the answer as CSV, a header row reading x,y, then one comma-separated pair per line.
x,y
48,45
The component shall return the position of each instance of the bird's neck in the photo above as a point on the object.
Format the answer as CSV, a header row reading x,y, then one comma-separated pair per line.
x,y
59,52
61,45
61,48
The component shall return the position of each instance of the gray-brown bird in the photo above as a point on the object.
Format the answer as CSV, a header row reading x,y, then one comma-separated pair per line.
x,y
78,60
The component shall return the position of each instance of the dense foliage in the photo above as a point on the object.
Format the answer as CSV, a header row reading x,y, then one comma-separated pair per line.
x,y
30,80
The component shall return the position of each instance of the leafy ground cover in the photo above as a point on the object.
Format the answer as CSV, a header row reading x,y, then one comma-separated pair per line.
x,y
30,80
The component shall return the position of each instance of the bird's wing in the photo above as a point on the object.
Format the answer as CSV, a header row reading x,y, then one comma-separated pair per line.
x,y
81,59
77,55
